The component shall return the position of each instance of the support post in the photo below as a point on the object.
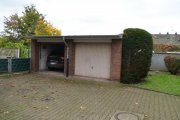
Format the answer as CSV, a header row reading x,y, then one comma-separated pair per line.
x,y
9,64
67,58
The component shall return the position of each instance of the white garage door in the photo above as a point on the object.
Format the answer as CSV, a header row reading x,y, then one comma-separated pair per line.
x,y
93,59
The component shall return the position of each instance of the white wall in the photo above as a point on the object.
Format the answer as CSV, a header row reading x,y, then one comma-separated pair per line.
x,y
157,61
44,52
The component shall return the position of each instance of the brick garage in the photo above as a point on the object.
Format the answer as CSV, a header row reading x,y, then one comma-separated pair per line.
x,y
97,56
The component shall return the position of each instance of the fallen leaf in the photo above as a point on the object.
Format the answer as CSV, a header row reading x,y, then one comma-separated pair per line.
x,y
11,95
6,112
82,108
12,85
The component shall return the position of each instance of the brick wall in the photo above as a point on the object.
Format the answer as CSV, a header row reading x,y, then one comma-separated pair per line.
x,y
116,51
71,66
34,56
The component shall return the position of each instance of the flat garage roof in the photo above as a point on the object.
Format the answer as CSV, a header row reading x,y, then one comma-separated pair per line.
x,y
66,37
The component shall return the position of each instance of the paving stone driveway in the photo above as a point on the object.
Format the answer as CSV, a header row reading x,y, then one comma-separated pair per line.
x,y
43,97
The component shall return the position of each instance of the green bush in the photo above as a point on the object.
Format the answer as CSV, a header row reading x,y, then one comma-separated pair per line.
x,y
173,64
136,55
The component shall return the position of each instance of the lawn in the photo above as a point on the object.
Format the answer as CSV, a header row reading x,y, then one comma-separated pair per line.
x,y
162,82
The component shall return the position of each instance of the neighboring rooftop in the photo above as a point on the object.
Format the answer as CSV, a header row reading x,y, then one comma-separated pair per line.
x,y
167,39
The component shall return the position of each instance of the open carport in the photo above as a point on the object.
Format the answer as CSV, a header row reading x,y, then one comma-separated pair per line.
x,y
42,48
46,49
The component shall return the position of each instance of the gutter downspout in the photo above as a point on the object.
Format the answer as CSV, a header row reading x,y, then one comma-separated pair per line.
x,y
67,57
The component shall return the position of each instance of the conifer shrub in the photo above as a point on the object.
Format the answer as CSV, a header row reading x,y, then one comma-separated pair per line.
x,y
136,55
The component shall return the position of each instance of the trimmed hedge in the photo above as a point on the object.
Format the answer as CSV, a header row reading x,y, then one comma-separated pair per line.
x,y
173,64
136,55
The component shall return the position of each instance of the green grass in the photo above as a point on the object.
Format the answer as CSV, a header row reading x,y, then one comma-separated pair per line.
x,y
162,82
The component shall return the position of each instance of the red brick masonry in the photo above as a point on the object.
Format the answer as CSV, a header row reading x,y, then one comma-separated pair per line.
x,y
71,57
35,56
116,52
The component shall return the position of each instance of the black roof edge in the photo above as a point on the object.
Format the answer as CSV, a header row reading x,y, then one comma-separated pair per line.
x,y
77,36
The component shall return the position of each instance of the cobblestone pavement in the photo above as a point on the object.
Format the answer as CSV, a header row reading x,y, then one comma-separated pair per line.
x,y
43,97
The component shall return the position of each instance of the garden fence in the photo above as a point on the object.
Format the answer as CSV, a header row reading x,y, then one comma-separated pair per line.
x,y
10,65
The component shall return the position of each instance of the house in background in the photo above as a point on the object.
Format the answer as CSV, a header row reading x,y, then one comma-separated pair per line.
x,y
9,52
164,45
166,42
97,56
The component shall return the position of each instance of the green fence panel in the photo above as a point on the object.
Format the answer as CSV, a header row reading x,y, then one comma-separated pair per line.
x,y
20,64
3,65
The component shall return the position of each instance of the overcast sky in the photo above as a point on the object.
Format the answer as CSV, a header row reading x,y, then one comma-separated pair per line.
x,y
79,17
